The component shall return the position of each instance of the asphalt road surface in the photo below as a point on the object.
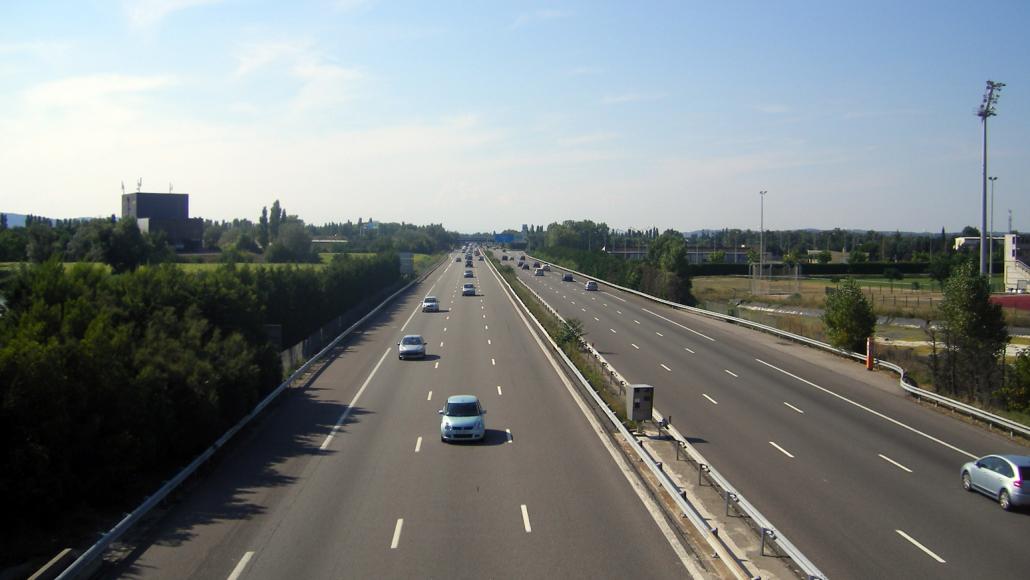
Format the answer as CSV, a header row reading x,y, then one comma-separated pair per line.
x,y
860,478
347,477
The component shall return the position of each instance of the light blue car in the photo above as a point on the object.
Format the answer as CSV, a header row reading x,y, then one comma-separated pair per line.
x,y
462,419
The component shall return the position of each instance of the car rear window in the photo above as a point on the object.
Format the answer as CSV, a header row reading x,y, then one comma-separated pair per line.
x,y
1024,472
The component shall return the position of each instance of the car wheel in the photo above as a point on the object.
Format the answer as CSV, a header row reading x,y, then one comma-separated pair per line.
x,y
967,483
1005,501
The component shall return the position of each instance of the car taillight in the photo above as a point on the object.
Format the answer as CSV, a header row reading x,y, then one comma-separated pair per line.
x,y
1017,483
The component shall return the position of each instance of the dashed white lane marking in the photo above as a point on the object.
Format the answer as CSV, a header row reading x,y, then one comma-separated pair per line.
x,y
240,566
448,317
678,324
864,408
665,367
489,342
397,534
793,407
688,350
484,316
730,373
441,344
493,362
613,296
782,450
429,397
634,346
597,319
499,393
613,330
445,329
714,402
583,309
354,401
895,463
604,304
436,365
636,321
573,301
418,444
658,333
486,326
920,546
508,431
525,519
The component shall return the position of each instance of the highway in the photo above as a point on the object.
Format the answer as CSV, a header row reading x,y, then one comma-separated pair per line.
x,y
346,477
863,480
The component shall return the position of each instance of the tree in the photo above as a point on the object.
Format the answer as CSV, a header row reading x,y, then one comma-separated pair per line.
x,y
974,337
717,257
849,317
274,219
970,232
858,257
940,268
125,249
824,257
263,228
1016,393
893,274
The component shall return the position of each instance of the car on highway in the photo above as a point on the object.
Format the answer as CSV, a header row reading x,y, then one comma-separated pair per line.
x,y
538,272
547,267
468,290
457,259
504,258
411,346
468,263
469,274
591,285
1004,478
480,258
525,266
536,264
522,258
462,419
566,277
430,304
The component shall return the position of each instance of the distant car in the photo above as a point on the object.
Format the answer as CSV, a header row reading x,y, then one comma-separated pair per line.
x,y
536,264
458,259
591,285
469,274
538,272
522,258
547,267
468,290
468,263
411,346
480,258
430,304
1004,478
566,277
462,419
504,258
525,266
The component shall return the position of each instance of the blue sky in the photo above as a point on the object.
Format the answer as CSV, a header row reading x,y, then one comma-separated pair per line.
x,y
486,115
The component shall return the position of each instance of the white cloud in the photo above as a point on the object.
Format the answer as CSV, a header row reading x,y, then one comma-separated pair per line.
x,y
323,85
91,90
255,56
587,139
321,82
39,49
527,18
633,98
146,13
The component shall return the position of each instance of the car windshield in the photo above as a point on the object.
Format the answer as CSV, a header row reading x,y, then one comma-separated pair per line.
x,y
430,299
462,410
412,340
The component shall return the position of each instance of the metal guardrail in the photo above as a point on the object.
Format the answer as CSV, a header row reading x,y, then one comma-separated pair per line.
x,y
84,564
990,418
710,533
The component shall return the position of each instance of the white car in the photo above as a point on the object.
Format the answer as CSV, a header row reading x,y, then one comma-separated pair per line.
x,y
430,304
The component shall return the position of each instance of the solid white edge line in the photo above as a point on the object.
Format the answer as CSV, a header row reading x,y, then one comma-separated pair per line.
x,y
714,402
867,409
678,324
782,450
525,519
240,566
397,534
895,463
793,407
731,373
643,494
921,547
350,407
418,444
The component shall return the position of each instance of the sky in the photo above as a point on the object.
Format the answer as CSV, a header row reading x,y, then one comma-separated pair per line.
x,y
486,115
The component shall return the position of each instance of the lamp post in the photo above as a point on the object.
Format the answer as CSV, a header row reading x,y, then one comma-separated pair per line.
x,y
986,110
990,239
761,243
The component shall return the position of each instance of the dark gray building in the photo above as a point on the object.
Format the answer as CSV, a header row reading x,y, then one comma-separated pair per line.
x,y
168,213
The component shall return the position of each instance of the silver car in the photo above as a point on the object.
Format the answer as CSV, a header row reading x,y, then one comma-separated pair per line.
x,y
468,290
591,285
538,272
430,304
462,419
411,346
1000,477
469,274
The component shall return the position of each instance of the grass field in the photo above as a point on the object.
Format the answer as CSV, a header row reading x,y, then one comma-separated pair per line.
x,y
422,261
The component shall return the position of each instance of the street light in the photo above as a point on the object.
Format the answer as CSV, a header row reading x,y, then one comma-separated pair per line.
x,y
990,240
761,245
986,110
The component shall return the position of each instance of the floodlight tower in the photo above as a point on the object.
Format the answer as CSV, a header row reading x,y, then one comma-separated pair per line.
x,y
990,237
987,109
761,243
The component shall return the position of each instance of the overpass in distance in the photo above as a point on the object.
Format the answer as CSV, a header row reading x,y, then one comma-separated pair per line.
x,y
347,477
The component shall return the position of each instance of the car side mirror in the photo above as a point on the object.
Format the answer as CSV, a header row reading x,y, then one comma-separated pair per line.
x,y
398,344
425,344
482,412
440,412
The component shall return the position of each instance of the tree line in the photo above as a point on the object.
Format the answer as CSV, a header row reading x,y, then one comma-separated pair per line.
x,y
110,382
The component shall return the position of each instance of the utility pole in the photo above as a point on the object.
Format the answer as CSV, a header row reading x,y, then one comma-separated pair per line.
x,y
1010,221
986,110
761,244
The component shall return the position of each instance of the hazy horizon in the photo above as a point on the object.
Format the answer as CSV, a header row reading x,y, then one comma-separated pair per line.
x,y
486,117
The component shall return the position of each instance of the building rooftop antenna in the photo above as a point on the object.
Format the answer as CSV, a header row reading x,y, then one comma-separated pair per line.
x,y
169,187
123,187
139,184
